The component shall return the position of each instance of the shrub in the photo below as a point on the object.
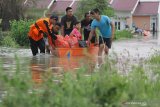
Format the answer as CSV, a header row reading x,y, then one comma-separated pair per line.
x,y
19,30
105,88
7,40
124,34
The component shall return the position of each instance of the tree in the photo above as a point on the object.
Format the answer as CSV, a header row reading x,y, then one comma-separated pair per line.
x,y
10,9
87,5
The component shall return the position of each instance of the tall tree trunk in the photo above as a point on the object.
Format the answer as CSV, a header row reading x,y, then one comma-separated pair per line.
x,y
11,9
5,24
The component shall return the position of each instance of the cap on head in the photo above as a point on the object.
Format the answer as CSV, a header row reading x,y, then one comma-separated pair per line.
x,y
53,16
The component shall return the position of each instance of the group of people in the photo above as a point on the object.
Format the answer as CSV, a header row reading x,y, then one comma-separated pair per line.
x,y
43,32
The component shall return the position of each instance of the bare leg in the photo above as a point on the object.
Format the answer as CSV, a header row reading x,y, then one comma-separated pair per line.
x,y
106,50
100,54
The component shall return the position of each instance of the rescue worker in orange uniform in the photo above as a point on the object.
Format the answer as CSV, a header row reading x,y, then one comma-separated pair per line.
x,y
38,31
37,65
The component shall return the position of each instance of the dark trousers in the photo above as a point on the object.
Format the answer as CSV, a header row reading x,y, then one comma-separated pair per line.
x,y
67,32
37,44
86,36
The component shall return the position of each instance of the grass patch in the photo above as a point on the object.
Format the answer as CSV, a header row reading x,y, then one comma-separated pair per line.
x,y
124,34
155,59
7,40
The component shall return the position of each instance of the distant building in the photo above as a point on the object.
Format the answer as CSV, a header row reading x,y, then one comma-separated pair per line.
x,y
50,6
136,13
128,13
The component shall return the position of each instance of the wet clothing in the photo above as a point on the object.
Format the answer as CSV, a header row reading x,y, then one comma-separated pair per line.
x,y
39,30
68,24
37,44
107,41
86,25
103,25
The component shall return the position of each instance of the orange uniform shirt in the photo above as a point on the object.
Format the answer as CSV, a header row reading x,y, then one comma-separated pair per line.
x,y
34,31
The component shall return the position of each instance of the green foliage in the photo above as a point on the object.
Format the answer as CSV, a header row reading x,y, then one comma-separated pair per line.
x,y
153,63
19,30
91,4
8,41
124,34
105,88
1,35
155,59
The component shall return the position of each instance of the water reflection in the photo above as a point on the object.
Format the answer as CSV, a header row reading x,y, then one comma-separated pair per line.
x,y
43,63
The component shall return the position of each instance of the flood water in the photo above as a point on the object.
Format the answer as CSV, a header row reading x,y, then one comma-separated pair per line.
x,y
125,50
41,63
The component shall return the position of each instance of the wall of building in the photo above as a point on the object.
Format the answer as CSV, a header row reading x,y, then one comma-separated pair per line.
x,y
122,18
142,22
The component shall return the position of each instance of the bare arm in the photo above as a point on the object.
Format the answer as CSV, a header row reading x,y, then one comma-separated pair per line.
x,y
62,31
90,35
113,30
96,37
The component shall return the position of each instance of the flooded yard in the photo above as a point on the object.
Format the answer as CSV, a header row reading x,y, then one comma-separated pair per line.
x,y
125,51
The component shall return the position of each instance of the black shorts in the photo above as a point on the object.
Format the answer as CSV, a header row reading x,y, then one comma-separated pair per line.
x,y
107,41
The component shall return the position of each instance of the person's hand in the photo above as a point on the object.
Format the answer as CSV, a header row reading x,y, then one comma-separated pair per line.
x,y
54,36
112,38
96,43
88,43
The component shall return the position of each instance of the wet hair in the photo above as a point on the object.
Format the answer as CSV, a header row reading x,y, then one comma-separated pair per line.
x,y
85,15
53,16
68,8
96,10
58,24
77,22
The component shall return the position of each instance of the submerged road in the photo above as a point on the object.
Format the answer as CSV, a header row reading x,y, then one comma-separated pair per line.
x,y
134,47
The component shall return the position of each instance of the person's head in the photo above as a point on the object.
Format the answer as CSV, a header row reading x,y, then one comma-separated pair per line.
x,y
56,27
87,16
53,19
77,25
95,13
69,11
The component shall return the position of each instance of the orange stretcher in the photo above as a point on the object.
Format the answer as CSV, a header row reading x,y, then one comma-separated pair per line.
x,y
69,52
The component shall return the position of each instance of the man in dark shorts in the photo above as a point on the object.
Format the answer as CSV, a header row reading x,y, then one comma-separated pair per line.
x,y
67,22
86,27
106,28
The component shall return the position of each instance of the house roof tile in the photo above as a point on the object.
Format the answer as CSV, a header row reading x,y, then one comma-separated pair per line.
x,y
124,5
60,5
43,3
146,8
